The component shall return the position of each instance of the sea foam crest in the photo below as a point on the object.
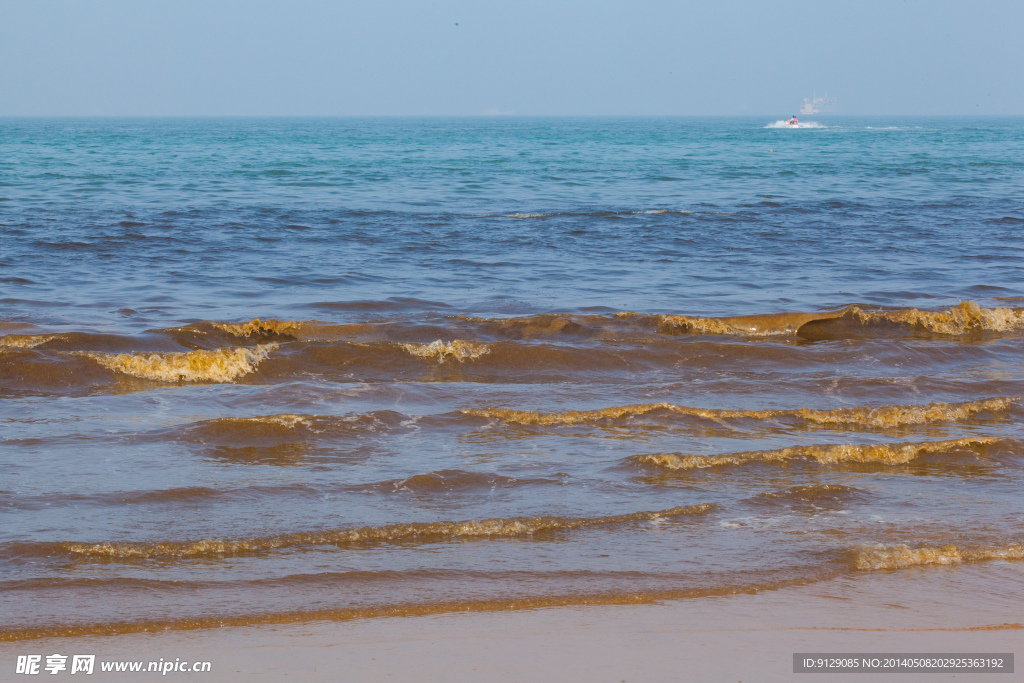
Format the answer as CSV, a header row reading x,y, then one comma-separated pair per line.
x,y
441,351
428,532
219,365
286,420
767,325
828,454
260,328
967,316
26,341
900,556
880,417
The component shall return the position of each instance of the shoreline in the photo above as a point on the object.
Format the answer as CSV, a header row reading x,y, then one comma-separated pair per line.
x,y
744,637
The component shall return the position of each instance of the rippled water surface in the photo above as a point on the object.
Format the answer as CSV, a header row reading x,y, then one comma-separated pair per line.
x,y
271,370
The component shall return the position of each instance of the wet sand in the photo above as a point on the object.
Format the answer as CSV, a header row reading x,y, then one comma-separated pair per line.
x,y
969,608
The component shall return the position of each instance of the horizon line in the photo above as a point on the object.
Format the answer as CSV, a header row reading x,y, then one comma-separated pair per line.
x,y
481,116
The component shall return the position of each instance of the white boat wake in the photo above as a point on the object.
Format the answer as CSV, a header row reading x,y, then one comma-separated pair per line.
x,y
802,124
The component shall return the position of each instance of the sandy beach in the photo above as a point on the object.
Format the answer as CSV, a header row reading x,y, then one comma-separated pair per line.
x,y
736,638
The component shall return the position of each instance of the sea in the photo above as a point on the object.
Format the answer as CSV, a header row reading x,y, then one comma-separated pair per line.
x,y
259,371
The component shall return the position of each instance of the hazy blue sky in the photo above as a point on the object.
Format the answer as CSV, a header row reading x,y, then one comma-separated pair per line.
x,y
216,57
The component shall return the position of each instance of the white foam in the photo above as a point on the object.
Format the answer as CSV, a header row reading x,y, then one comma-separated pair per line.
x,y
26,341
458,349
201,365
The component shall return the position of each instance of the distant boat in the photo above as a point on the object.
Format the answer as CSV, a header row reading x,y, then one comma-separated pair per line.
x,y
819,105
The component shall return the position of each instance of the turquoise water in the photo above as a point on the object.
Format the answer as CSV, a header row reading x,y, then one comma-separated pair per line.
x,y
275,215
166,458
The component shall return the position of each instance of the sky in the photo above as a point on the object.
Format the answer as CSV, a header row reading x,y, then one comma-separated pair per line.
x,y
526,57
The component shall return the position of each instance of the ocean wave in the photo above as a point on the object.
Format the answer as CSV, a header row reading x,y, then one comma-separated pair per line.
x,y
827,454
600,213
533,326
261,328
880,417
498,361
868,558
220,365
430,532
26,341
429,483
762,325
258,331
262,430
544,325
441,351
965,318
854,320
285,422
680,212
455,480
812,495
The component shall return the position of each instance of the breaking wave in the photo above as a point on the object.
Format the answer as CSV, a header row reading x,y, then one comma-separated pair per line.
x,y
880,417
767,325
220,365
26,341
965,318
900,556
441,351
392,533
261,328
829,454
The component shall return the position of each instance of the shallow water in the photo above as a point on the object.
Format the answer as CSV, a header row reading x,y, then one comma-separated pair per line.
x,y
273,370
